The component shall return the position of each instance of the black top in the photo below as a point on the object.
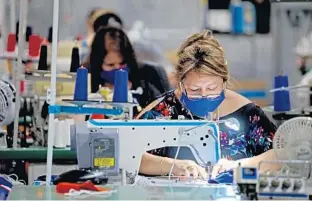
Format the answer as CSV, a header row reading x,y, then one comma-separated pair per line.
x,y
153,81
252,134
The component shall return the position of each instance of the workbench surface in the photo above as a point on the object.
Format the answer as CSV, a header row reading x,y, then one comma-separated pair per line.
x,y
36,153
209,192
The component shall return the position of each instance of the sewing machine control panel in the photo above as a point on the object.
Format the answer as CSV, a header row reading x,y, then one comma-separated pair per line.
x,y
98,149
103,153
274,186
270,184
245,175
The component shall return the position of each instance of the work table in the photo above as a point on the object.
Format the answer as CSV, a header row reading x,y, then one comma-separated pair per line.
x,y
206,192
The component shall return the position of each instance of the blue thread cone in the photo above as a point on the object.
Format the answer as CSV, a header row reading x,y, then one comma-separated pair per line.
x,y
121,86
81,86
281,98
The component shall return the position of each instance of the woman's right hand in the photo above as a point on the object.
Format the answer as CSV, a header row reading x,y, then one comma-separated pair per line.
x,y
189,168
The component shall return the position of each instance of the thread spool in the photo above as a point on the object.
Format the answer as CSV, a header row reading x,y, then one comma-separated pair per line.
x,y
43,63
56,134
121,86
75,60
34,45
11,43
28,32
81,85
281,98
59,138
50,35
69,123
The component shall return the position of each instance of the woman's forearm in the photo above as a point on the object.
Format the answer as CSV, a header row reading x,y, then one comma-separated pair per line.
x,y
266,156
155,165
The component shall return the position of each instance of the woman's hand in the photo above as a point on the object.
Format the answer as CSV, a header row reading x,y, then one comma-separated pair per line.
x,y
189,168
223,165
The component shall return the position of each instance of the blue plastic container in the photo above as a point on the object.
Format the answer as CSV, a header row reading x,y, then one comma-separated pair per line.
x,y
237,14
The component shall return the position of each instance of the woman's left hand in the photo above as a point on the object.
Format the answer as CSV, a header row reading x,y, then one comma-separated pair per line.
x,y
223,165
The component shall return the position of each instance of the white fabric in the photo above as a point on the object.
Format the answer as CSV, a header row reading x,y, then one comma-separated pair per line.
x,y
145,48
74,193
304,47
303,93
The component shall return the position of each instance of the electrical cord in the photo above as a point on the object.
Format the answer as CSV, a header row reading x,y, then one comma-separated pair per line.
x,y
13,178
174,160
177,152
178,148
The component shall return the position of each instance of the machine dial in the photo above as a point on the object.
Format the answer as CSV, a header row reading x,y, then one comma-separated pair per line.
x,y
286,184
264,183
275,183
298,185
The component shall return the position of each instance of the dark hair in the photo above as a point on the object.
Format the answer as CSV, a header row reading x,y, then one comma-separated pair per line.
x,y
104,20
98,53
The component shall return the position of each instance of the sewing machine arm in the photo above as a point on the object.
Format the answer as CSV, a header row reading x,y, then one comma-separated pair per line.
x,y
133,138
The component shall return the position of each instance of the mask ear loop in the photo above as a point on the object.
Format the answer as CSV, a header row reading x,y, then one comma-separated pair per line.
x,y
182,89
211,114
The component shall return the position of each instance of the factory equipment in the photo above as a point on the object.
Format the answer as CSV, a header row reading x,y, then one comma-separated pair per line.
x,y
293,149
106,145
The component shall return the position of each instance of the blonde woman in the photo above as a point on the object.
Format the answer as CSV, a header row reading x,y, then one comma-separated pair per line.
x,y
202,73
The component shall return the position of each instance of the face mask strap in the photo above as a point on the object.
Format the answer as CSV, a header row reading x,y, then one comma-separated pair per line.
x,y
182,88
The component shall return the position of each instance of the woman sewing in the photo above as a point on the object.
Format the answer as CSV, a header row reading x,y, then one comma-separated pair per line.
x,y
112,51
203,77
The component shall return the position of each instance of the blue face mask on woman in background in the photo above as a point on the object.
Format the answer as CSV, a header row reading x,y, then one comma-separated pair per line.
x,y
109,76
201,107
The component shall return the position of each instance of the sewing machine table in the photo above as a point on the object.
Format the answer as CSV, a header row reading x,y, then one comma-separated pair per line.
x,y
205,192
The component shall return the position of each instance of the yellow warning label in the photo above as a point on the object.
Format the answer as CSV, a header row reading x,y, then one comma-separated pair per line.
x,y
104,162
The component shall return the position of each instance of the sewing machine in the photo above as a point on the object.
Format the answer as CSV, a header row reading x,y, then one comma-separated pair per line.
x,y
279,184
113,145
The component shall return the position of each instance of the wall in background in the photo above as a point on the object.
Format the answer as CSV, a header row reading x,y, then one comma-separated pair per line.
x,y
248,57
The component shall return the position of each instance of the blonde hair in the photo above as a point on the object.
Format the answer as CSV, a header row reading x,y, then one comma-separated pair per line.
x,y
97,13
202,53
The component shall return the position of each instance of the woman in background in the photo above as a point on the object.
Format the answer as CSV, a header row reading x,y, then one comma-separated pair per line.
x,y
111,50
202,74
146,50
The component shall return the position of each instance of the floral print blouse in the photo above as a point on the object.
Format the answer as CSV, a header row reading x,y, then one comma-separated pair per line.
x,y
253,137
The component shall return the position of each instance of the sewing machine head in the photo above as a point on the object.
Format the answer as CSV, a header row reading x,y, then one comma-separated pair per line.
x,y
111,145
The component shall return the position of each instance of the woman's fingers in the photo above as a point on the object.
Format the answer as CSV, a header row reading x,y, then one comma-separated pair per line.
x,y
202,172
193,171
216,170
